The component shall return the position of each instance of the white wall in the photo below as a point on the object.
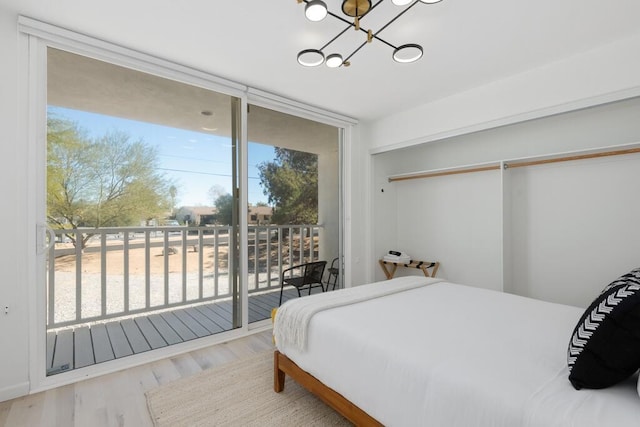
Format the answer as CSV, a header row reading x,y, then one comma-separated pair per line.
x,y
455,220
603,125
593,77
13,290
439,219
574,227
328,202
358,212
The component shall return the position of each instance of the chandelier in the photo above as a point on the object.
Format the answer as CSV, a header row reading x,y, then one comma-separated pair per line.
x,y
316,10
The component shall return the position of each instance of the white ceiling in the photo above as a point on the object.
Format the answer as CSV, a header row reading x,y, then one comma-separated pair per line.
x,y
467,43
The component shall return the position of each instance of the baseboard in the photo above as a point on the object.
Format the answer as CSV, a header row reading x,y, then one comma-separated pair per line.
x,y
14,391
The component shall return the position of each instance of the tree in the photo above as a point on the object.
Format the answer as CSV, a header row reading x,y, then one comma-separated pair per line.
x,y
106,182
173,193
224,209
216,191
291,184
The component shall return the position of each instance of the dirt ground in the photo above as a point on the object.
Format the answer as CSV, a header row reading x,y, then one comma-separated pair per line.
x,y
91,262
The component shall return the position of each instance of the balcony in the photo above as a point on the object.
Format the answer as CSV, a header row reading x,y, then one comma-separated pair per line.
x,y
134,289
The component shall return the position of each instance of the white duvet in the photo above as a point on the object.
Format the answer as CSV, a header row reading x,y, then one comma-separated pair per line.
x,y
451,355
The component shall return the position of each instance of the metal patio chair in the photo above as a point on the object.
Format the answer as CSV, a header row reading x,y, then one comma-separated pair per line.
x,y
334,272
303,276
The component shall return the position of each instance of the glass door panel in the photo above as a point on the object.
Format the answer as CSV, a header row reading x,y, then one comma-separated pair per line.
x,y
294,204
142,199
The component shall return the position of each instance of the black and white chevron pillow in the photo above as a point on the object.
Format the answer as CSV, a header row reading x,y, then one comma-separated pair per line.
x,y
605,344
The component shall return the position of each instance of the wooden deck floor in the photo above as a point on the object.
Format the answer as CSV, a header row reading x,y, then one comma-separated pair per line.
x,y
69,349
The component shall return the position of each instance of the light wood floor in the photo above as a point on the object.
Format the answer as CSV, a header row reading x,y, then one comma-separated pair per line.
x,y
118,399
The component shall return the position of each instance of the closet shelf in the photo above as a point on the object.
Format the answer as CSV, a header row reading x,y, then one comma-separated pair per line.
x,y
447,171
522,162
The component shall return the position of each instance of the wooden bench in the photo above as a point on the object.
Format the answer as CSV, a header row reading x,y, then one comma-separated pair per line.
x,y
421,265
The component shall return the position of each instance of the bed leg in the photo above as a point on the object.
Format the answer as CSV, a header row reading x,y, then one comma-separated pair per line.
x,y
278,375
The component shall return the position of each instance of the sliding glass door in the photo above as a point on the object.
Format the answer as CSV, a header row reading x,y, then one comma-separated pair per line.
x,y
161,229
293,211
142,210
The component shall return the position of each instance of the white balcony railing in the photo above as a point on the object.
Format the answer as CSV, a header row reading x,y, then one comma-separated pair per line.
x,y
123,271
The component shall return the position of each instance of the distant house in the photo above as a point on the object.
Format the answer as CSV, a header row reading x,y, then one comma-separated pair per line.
x,y
196,215
202,215
260,215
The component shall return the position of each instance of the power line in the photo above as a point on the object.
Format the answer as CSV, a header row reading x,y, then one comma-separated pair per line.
x,y
202,173
174,156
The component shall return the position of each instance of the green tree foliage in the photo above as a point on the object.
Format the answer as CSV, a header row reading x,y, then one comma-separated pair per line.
x,y
224,209
173,194
216,191
291,184
104,182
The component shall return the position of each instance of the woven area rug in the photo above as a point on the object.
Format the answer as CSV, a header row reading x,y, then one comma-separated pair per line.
x,y
238,394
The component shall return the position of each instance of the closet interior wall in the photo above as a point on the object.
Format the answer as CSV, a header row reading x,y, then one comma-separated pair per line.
x,y
557,232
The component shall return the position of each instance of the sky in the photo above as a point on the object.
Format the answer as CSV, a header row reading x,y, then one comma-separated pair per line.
x,y
195,162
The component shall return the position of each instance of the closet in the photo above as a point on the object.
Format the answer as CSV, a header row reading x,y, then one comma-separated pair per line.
x,y
548,208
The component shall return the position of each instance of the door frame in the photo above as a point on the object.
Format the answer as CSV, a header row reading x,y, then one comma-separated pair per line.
x,y
34,39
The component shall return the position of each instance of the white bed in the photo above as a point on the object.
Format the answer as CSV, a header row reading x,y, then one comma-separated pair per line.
x,y
450,355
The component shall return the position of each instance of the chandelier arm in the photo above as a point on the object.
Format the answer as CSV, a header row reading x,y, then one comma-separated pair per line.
x,y
375,36
335,38
398,16
384,41
346,21
354,52
352,24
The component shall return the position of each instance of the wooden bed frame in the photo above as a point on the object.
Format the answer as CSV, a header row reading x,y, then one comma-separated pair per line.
x,y
282,366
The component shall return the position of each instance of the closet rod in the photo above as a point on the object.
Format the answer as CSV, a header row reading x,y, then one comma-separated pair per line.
x,y
443,173
570,158
516,164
